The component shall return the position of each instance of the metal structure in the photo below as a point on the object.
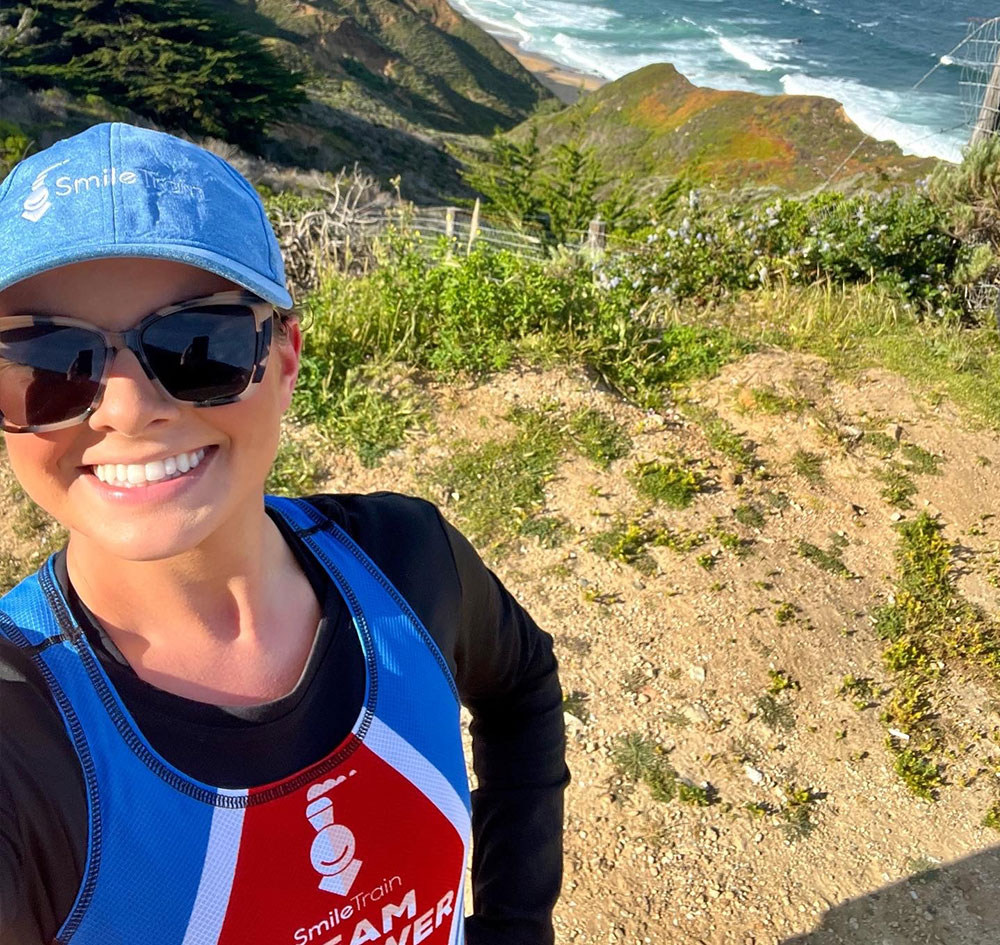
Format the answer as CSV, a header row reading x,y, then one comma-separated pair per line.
x,y
979,57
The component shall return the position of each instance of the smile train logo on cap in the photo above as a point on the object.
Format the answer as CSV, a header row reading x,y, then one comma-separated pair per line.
x,y
38,203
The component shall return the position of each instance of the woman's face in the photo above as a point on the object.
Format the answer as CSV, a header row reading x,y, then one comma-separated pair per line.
x,y
136,424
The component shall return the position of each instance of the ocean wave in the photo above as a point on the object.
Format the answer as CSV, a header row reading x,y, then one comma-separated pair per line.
x,y
803,6
872,111
598,58
745,55
757,52
558,15
492,18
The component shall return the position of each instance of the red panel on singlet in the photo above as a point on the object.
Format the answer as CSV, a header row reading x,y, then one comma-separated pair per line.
x,y
361,855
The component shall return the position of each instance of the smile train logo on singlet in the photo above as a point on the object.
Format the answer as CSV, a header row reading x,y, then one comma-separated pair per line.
x,y
332,851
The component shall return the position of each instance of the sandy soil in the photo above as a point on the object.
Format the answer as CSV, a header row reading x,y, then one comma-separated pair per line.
x,y
681,656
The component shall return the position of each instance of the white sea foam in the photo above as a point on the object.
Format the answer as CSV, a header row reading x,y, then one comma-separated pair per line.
x,y
497,18
760,54
559,15
872,111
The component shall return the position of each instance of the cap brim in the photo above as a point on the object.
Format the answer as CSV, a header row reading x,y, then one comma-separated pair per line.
x,y
243,276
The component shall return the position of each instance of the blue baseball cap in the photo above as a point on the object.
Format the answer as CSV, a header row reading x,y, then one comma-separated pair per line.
x,y
116,190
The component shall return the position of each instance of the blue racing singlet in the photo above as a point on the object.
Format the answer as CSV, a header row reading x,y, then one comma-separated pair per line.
x,y
367,845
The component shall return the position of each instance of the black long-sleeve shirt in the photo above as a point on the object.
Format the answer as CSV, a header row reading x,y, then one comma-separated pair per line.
x,y
503,666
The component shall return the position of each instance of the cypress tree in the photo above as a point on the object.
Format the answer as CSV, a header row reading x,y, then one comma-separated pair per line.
x,y
174,61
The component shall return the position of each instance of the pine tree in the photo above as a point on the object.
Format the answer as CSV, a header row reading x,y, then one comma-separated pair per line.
x,y
508,178
174,61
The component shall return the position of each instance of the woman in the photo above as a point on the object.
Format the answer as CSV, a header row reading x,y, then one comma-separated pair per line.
x,y
227,719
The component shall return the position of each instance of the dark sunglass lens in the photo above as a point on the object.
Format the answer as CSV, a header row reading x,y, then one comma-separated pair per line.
x,y
48,373
203,354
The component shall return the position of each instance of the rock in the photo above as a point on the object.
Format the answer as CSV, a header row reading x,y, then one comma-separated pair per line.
x,y
696,714
697,673
753,774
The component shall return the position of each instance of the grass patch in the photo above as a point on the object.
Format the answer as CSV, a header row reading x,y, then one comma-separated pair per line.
x,y
749,515
628,541
826,560
880,442
919,773
498,487
921,462
551,531
295,471
597,437
671,483
929,628
858,326
638,759
796,812
575,703
785,612
770,401
722,437
809,466
897,486
860,690
777,716
781,682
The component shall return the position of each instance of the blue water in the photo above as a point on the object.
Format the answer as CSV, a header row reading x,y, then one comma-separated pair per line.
x,y
867,54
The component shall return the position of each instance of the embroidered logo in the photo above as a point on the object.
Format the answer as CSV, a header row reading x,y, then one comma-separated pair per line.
x,y
38,203
333,847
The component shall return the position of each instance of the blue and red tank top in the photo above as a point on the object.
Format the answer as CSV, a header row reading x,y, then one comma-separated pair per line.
x,y
369,844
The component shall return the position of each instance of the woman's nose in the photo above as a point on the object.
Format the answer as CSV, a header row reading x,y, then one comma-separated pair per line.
x,y
131,402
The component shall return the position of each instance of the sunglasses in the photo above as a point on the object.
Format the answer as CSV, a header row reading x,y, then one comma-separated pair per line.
x,y
204,352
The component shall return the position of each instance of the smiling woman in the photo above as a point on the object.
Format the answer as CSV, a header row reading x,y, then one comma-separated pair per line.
x,y
262,681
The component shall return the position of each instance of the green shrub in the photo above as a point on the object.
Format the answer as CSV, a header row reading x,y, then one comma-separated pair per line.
x,y
669,483
901,240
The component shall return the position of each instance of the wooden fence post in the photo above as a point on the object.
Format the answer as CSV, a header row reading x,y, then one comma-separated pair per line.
x,y
449,222
988,122
597,236
473,227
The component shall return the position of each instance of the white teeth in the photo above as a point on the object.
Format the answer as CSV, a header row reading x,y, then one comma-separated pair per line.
x,y
139,474
155,471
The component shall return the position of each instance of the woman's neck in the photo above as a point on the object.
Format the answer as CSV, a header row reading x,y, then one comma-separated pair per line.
x,y
230,621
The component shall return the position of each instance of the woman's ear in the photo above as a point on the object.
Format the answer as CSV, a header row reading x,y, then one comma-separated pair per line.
x,y
286,352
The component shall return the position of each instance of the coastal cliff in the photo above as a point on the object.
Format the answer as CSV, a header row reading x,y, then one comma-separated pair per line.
x,y
654,123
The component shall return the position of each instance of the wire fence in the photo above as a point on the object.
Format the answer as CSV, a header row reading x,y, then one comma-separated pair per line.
x,y
346,235
979,59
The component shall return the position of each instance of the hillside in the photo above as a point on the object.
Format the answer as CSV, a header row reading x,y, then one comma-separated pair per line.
x,y
388,82
653,123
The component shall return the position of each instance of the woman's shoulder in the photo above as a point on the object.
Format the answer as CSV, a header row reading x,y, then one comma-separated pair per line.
x,y
374,518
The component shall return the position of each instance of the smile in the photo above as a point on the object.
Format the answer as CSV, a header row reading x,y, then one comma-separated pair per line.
x,y
131,475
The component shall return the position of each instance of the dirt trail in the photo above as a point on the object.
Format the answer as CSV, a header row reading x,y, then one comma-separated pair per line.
x,y
678,655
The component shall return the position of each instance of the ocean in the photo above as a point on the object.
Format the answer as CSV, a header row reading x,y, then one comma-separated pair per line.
x,y
867,54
